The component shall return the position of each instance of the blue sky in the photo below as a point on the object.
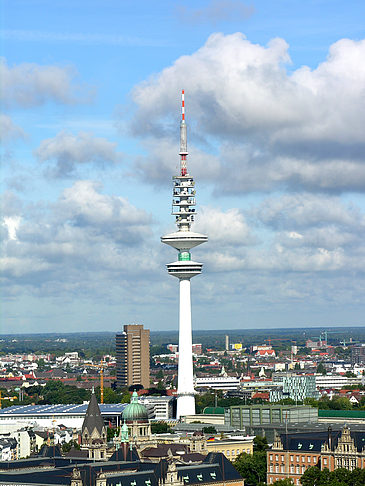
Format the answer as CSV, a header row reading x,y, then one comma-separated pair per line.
x,y
89,121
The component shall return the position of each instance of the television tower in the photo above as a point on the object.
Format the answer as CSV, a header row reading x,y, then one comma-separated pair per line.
x,y
184,269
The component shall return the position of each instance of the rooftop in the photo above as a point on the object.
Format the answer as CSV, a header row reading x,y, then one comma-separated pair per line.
x,y
58,409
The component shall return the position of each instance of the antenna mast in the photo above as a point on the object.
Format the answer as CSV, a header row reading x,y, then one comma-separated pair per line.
x,y
183,138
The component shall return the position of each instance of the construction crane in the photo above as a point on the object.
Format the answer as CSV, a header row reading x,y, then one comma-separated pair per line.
x,y
101,367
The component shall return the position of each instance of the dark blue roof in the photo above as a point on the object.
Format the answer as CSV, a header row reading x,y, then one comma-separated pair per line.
x,y
71,409
215,467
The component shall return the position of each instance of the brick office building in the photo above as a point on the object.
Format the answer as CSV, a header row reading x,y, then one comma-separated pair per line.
x,y
292,454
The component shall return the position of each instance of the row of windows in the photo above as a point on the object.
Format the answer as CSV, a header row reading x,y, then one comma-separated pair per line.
x,y
233,452
293,469
314,458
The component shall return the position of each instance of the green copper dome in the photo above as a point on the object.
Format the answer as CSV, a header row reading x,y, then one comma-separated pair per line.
x,y
135,410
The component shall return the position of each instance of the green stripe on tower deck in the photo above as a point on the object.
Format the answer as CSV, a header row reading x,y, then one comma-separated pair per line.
x,y
184,256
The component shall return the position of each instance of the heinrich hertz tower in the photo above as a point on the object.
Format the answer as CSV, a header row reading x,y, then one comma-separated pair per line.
x,y
183,207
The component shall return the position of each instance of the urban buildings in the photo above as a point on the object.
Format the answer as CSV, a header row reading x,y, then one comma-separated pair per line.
x,y
50,416
292,454
241,416
358,354
133,356
296,387
184,269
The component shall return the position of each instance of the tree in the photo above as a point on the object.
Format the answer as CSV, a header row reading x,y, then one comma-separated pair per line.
x,y
209,430
260,444
284,482
350,374
160,428
111,433
321,369
339,477
311,477
67,446
252,467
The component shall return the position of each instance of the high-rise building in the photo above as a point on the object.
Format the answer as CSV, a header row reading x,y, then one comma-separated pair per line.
x,y
183,240
133,356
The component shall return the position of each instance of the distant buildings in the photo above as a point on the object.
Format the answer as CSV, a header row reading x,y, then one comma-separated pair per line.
x,y
196,348
244,416
133,356
218,382
50,416
296,387
358,354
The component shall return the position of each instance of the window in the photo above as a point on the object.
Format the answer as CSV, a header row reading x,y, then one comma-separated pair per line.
x,y
270,457
303,458
276,457
282,468
282,458
271,468
277,468
309,458
292,458
297,458
238,451
298,470
227,453
292,469
325,461
233,452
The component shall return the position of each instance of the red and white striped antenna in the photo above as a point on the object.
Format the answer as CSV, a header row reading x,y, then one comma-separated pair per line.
x,y
182,105
183,139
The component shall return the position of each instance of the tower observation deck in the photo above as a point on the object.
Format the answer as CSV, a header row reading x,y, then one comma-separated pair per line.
x,y
183,240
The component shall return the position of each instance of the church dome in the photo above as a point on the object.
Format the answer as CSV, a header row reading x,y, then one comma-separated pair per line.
x,y
135,410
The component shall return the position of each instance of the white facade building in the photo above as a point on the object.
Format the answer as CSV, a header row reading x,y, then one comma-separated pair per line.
x,y
162,407
336,381
218,382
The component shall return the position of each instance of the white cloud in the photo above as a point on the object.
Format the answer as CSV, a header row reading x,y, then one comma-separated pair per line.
x,y
223,227
308,210
272,128
28,85
8,129
85,235
68,150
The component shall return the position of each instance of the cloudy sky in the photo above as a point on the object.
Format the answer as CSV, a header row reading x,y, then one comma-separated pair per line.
x,y
275,102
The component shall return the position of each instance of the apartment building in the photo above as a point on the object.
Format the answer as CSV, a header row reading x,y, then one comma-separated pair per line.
x,y
133,356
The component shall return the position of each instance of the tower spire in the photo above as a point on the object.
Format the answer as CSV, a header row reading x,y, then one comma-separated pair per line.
x,y
183,138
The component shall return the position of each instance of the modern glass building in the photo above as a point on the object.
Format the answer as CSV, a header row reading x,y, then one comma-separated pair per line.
x,y
241,416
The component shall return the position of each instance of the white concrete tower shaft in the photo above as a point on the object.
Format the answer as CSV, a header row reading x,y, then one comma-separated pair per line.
x,y
183,240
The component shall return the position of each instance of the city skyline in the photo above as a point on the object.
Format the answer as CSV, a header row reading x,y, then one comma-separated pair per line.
x,y
89,125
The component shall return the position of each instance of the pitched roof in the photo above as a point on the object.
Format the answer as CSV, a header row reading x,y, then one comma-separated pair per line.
x,y
93,419
312,441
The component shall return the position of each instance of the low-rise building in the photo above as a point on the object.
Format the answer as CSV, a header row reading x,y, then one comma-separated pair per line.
x,y
162,408
336,381
231,447
240,416
218,382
